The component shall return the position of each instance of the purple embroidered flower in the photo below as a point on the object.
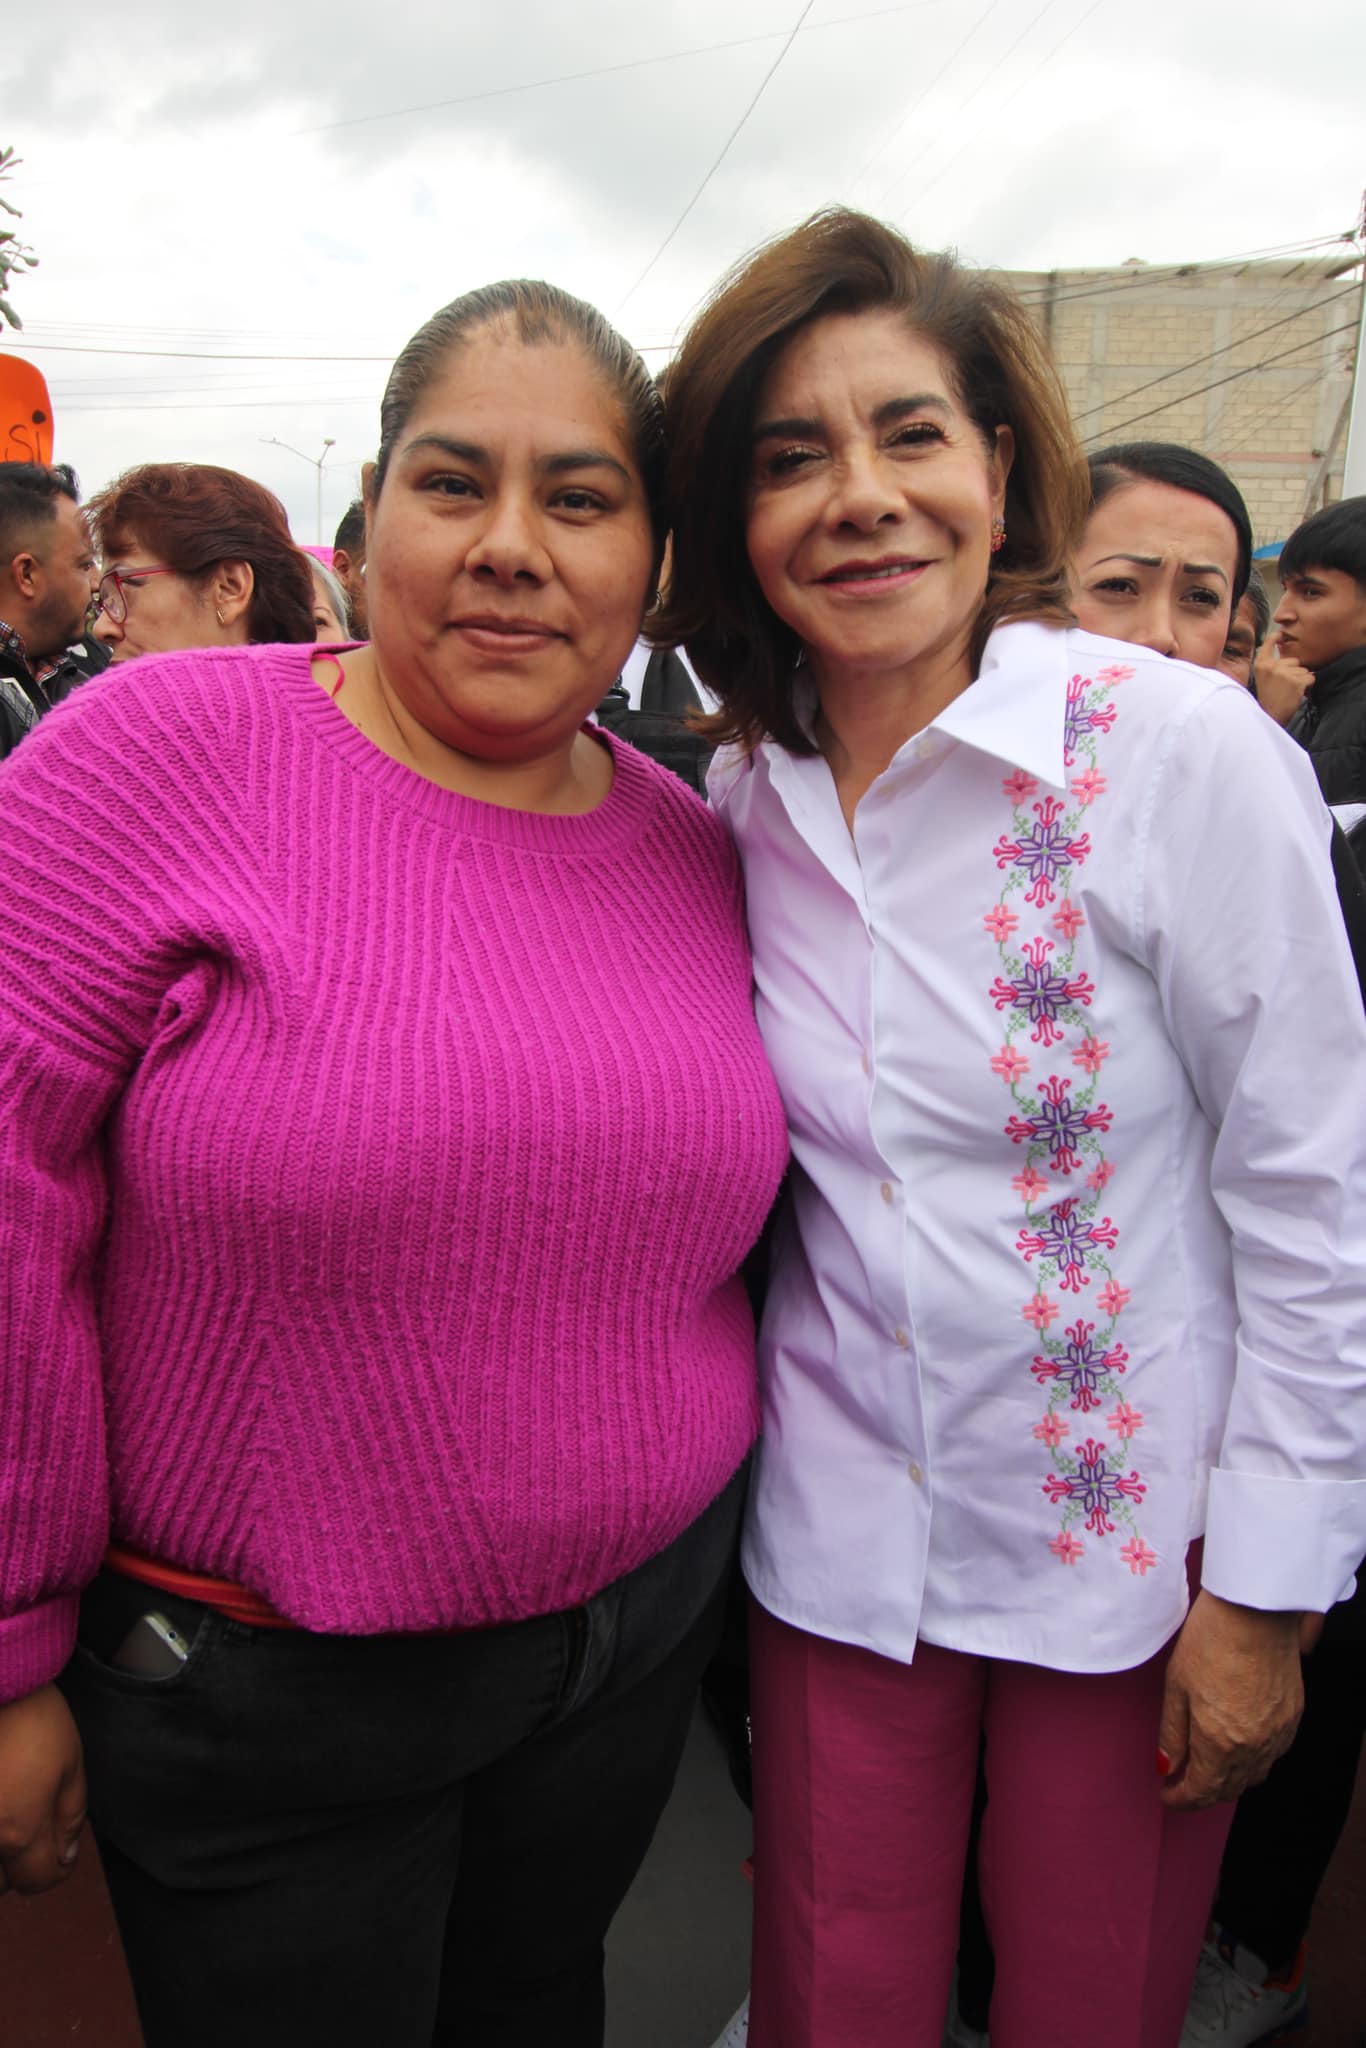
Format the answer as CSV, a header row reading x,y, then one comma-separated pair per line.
x,y
1040,1311
1041,992
1138,1557
1000,922
1066,1238
1059,1124
1081,1366
1077,720
1096,1485
1052,1430
1068,1548
1043,852
1124,1420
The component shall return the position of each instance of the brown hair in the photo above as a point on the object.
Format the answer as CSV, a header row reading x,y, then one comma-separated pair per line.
x,y
194,516
539,313
844,262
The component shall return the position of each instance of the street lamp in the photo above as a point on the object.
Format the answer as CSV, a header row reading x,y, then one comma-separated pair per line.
x,y
314,462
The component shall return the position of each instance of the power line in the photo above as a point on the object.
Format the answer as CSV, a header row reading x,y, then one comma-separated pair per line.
x,y
881,148
1240,341
725,147
980,87
1277,402
1349,328
1010,98
498,92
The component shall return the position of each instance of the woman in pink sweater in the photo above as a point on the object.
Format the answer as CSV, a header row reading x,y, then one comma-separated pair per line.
x,y
382,1126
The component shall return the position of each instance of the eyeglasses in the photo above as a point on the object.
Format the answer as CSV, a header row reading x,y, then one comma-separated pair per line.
x,y
110,597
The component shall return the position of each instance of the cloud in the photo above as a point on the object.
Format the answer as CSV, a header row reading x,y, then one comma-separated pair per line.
x,y
182,188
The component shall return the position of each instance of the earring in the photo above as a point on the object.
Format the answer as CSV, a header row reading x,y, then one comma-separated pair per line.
x,y
218,615
998,535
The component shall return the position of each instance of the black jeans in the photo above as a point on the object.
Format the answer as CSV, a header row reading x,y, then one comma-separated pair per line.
x,y
1286,1829
390,1842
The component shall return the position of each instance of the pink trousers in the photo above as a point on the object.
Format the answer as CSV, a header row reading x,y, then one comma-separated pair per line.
x,y
1096,1894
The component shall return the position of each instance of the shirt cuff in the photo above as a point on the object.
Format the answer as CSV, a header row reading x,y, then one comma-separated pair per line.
x,y
1284,1545
35,1645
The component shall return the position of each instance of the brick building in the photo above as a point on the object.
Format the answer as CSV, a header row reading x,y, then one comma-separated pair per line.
x,y
1152,352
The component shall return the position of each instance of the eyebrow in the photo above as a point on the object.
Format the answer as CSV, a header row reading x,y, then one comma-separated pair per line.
x,y
552,465
885,415
1155,562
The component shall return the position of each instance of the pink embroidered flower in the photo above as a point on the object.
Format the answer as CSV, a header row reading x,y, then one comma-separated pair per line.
x,y
1000,922
1138,1557
1067,1549
1088,785
1040,1311
1124,1420
1069,921
1029,1185
1097,1179
1019,786
1092,1053
1051,1431
1112,1297
1116,672
1010,1065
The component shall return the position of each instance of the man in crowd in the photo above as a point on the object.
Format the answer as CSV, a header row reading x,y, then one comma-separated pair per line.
x,y
348,565
47,579
1314,682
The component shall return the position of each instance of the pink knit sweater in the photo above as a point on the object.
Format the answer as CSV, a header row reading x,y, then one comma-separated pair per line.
x,y
374,1166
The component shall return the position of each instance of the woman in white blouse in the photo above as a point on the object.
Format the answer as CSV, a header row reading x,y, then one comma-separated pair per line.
x,y
1071,1278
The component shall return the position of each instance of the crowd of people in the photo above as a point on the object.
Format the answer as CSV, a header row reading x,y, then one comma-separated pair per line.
x,y
408,1089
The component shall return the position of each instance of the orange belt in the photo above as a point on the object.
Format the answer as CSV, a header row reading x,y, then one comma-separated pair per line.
x,y
238,1603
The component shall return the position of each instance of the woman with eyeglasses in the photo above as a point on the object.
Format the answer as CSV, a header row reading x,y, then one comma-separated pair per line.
x,y
196,556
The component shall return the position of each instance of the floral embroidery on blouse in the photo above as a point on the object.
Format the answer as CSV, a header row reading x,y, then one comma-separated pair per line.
x,y
1058,1123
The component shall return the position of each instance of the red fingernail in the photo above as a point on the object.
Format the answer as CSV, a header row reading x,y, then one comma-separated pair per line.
x,y
1164,1764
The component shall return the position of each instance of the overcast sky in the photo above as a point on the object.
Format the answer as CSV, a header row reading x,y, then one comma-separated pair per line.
x,y
292,179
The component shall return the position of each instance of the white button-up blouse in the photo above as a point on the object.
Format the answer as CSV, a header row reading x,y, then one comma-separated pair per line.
x,y
1074,1059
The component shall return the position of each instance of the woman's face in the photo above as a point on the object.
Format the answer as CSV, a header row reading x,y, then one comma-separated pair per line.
x,y
164,610
871,497
1240,648
510,550
327,626
1156,567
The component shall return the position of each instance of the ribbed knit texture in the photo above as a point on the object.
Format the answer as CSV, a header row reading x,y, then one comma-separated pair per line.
x,y
374,1166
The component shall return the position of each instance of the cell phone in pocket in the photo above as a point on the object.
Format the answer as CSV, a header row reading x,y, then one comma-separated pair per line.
x,y
152,1648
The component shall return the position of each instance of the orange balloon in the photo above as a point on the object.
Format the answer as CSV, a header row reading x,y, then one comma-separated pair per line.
x,y
25,412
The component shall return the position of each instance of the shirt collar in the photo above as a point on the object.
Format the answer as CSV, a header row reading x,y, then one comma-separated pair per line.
x,y
1016,710
12,643
1017,707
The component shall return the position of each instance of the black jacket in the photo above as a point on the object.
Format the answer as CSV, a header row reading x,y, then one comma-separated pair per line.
x,y
1331,727
21,696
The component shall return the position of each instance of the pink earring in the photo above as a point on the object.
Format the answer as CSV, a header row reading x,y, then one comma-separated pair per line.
x,y
998,535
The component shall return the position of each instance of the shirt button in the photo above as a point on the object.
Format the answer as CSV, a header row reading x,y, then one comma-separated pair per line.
x,y
902,1339
887,1194
917,1477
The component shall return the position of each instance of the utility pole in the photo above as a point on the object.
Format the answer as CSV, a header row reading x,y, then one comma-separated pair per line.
x,y
314,462
1354,470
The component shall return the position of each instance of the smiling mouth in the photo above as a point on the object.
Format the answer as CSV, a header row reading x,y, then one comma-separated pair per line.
x,y
872,572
